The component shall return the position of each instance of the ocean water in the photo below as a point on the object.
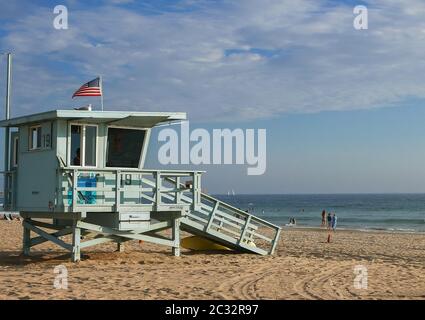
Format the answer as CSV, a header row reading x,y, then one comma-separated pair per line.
x,y
395,212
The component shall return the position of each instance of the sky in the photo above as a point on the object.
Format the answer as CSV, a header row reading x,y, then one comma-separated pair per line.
x,y
343,108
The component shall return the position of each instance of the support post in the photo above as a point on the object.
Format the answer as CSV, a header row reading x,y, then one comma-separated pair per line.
x,y
120,246
176,237
245,228
26,238
74,189
158,190
196,191
76,237
117,190
275,241
178,193
212,216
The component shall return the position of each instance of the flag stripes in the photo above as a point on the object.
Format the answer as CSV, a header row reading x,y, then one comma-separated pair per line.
x,y
89,89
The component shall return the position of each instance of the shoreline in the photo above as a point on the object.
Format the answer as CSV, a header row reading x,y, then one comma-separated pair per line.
x,y
15,214
313,228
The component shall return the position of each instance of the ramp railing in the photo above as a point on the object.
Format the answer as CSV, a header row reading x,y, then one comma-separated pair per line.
x,y
229,225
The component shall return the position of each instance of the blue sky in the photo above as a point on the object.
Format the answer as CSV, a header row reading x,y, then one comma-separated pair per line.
x,y
343,108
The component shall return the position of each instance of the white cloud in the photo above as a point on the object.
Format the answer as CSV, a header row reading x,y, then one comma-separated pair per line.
x,y
177,60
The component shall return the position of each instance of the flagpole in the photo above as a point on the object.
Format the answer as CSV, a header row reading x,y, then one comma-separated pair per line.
x,y
7,132
101,91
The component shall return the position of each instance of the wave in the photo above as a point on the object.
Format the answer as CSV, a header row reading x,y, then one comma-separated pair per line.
x,y
373,220
389,229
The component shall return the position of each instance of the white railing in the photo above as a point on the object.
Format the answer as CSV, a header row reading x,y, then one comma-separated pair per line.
x,y
114,190
232,224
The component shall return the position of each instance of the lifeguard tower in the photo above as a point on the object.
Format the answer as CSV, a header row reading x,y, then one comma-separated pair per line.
x,y
81,173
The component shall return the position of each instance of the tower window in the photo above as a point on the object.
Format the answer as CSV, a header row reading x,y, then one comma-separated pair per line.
x,y
83,145
35,138
124,147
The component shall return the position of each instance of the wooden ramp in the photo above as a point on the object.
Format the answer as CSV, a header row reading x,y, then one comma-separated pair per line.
x,y
227,225
231,227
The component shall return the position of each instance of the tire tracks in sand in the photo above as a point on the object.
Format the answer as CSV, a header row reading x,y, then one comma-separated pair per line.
x,y
246,285
319,284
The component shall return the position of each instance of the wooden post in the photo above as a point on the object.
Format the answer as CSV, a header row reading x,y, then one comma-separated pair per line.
x,y
26,239
212,216
178,193
117,190
248,220
76,237
196,192
275,242
74,189
120,246
158,190
176,237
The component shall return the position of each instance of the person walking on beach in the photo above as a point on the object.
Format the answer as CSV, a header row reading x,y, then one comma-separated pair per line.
x,y
329,218
323,218
334,221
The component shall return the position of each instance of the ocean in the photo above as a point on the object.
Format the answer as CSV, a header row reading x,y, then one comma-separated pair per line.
x,y
393,212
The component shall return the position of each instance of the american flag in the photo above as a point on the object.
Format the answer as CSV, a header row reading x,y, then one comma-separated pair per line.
x,y
89,89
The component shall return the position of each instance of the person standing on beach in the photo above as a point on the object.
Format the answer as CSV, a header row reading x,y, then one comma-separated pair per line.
x,y
323,218
334,221
329,218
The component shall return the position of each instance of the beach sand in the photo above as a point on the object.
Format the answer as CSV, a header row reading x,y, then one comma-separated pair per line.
x,y
304,267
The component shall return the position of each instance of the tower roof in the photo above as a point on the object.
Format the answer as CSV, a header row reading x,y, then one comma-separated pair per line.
x,y
122,118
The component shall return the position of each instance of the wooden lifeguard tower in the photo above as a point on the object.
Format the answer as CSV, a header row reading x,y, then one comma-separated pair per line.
x,y
82,173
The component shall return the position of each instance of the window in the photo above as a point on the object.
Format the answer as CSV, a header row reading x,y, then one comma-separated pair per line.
x,y
124,147
83,145
15,152
35,138
76,138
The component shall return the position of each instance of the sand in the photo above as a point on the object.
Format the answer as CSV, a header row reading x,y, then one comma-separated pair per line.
x,y
304,267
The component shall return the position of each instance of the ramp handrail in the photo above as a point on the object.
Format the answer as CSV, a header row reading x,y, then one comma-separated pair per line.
x,y
245,226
